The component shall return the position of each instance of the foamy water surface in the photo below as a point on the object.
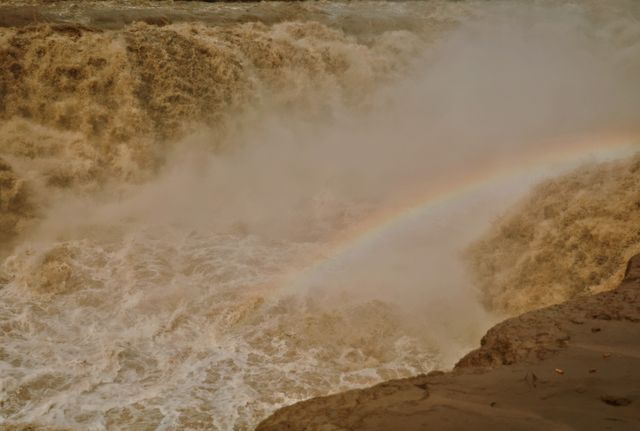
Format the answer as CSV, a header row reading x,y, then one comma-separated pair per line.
x,y
176,180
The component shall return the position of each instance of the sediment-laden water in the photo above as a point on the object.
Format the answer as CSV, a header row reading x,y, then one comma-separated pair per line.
x,y
203,206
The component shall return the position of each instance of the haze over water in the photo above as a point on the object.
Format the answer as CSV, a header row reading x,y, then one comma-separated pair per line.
x,y
191,194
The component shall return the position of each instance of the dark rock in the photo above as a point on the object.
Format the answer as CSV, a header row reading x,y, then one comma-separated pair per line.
x,y
615,401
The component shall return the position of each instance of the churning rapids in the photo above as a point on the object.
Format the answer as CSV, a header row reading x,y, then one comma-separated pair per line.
x,y
191,194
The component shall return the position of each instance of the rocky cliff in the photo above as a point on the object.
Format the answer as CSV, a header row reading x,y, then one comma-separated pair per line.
x,y
574,365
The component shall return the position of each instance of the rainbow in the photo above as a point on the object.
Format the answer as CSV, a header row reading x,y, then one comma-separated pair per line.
x,y
421,201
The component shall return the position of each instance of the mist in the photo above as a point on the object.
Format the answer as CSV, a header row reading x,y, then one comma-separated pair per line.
x,y
495,93
223,257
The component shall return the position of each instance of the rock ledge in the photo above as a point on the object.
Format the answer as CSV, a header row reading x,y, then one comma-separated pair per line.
x,y
574,365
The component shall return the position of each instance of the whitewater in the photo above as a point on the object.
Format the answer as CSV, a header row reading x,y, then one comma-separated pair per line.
x,y
210,211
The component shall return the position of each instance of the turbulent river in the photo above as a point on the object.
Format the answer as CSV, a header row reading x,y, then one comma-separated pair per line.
x,y
209,211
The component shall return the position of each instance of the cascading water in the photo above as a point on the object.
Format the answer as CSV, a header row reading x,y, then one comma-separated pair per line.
x,y
177,182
